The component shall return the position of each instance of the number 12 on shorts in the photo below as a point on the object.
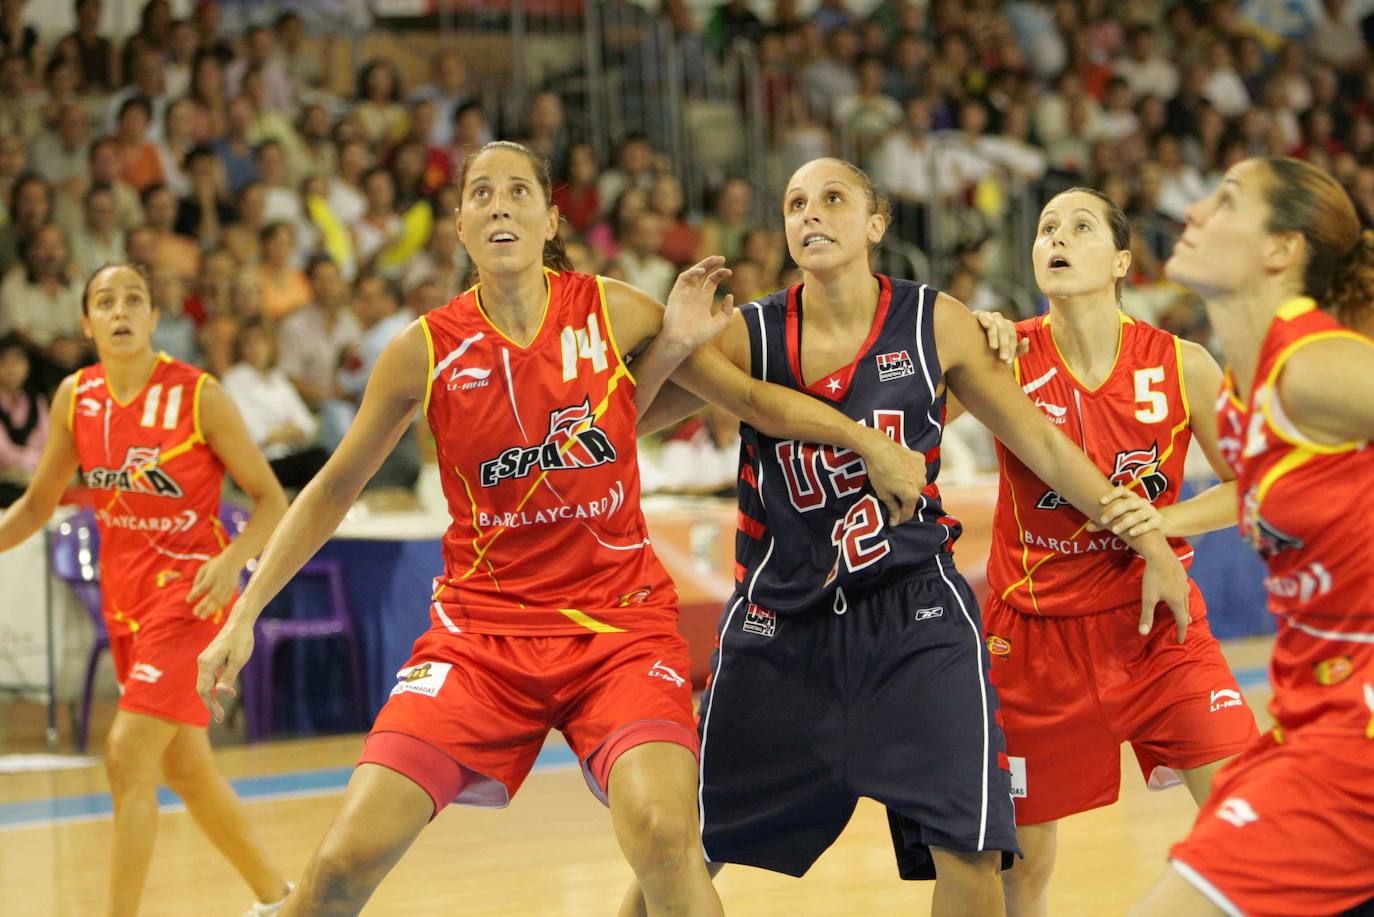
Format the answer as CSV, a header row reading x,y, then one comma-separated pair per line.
x,y
857,538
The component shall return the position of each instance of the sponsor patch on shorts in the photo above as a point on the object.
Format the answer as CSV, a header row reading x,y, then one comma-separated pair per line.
x,y
759,621
925,614
998,646
1018,776
425,678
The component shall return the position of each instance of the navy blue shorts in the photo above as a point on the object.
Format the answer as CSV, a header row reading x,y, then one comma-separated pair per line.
x,y
889,699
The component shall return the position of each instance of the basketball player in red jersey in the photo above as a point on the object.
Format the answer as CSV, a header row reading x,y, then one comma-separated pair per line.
x,y
552,610
1277,251
153,438
777,789
1074,675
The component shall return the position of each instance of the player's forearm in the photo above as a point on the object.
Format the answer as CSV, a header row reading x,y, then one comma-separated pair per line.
x,y
304,528
1213,509
652,368
268,510
21,521
672,405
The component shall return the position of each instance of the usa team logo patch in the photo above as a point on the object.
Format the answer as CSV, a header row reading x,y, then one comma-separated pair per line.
x,y
894,366
759,621
426,678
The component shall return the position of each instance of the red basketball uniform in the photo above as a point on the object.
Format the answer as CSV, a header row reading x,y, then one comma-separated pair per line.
x,y
157,492
553,610
1289,827
1074,676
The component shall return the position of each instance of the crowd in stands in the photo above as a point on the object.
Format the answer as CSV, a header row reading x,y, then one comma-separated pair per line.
x,y
292,218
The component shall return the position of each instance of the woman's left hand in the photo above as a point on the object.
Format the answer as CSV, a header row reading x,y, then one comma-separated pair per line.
x,y
214,586
692,316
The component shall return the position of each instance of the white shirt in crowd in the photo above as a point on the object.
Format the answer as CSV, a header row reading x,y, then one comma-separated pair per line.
x,y
268,401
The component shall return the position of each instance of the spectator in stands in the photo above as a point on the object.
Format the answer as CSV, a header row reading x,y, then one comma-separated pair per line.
x,y
171,249
154,33
211,292
149,83
203,213
865,117
307,63
175,333
765,249
723,231
220,331
177,140
905,76
243,237
408,172
698,458
443,260
312,340
380,224
1334,37
13,162
180,60
545,132
261,54
1223,87
583,257
377,103
107,168
680,238
40,303
98,241
284,288
31,208
449,92
16,38
23,420
469,127
61,154
61,80
140,246
426,296
141,166
634,167
346,198
832,75
639,263
1181,183
733,22
281,199
605,236
234,148
208,97
577,199
1145,70
19,113
277,419
316,131
92,52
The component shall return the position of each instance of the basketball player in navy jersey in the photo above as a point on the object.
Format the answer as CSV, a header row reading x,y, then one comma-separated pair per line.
x,y
851,659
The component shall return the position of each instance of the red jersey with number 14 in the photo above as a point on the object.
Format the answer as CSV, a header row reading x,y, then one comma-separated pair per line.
x,y
1135,428
157,489
538,460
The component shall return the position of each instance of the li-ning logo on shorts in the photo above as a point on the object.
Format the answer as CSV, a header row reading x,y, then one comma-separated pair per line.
x,y
424,678
140,473
659,670
894,366
1224,698
1237,811
146,672
574,441
925,614
759,621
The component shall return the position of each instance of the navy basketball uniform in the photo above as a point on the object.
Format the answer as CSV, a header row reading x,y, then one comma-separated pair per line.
x,y
850,660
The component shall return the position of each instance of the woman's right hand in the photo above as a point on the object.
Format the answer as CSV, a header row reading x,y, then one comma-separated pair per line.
x,y
692,317
1001,332
220,663
897,474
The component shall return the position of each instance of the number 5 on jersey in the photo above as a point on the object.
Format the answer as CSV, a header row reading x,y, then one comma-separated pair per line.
x,y
583,344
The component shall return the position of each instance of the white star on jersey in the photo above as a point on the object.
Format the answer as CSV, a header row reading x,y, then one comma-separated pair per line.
x,y
833,384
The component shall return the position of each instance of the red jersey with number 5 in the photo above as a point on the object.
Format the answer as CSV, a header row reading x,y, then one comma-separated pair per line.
x,y
157,489
539,464
1135,428
1307,508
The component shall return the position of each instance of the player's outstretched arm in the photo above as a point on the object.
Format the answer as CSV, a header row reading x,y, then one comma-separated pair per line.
x,y
55,469
396,388
976,376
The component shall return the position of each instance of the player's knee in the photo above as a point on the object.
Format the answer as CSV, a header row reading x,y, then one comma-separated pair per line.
x,y
977,866
341,879
183,776
127,763
1029,876
662,838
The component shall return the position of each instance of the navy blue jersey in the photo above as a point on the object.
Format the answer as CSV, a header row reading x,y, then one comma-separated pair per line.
x,y
811,530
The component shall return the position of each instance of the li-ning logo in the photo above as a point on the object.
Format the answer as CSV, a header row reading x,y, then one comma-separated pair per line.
x,y
1237,811
759,621
139,474
659,670
1224,698
894,366
476,376
1056,412
574,441
146,672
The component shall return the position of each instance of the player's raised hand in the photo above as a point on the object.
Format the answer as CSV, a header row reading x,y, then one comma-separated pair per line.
x,y
1165,581
897,474
218,666
693,316
214,585
1127,513
1002,336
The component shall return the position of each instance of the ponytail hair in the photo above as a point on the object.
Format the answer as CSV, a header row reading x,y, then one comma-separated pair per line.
x,y
555,254
1339,273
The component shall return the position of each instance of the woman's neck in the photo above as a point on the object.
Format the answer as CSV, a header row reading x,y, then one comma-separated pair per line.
x,y
1241,320
515,303
126,375
1087,330
842,299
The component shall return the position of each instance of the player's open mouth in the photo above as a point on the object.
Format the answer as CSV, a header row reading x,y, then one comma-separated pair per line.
x,y
815,238
123,333
1059,263
503,237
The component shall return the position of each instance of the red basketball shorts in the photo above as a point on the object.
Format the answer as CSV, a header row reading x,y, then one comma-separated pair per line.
x,y
470,712
1073,689
1288,830
156,666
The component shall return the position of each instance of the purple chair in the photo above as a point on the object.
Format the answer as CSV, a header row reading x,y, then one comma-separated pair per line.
x,y
75,549
270,633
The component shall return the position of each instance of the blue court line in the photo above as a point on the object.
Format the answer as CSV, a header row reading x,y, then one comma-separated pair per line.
x,y
302,784
294,785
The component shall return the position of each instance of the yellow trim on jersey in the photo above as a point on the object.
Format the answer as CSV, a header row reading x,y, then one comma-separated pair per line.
x,y
597,412
1298,305
1272,393
157,361
1123,319
543,316
610,330
195,408
592,624
71,406
1228,381
429,375
472,502
1290,462
1025,547
1182,382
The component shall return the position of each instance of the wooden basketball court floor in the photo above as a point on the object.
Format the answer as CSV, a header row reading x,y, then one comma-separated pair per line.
x,y
550,853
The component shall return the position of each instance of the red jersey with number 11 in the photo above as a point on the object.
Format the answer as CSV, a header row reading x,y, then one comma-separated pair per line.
x,y
1135,428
